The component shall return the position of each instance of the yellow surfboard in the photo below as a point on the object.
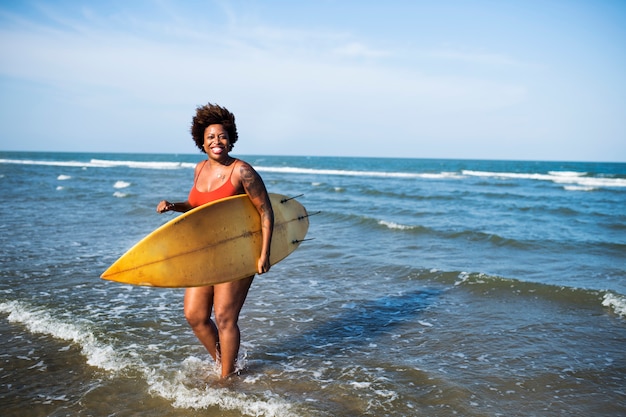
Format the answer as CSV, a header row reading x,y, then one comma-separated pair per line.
x,y
215,243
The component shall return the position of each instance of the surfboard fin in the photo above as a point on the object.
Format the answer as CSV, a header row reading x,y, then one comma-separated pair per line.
x,y
308,215
296,241
284,200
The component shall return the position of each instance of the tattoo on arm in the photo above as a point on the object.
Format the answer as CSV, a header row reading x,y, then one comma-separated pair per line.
x,y
251,182
255,188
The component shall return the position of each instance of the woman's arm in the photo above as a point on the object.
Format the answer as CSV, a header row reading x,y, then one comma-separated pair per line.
x,y
165,205
256,191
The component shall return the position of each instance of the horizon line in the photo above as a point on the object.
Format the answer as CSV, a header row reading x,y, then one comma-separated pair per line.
x,y
324,156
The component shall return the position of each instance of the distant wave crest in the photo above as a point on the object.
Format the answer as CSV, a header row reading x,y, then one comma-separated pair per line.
x,y
102,163
350,173
571,180
580,180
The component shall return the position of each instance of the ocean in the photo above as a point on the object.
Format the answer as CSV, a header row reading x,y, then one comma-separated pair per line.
x,y
429,287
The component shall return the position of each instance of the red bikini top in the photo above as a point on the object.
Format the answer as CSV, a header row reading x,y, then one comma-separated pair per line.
x,y
197,198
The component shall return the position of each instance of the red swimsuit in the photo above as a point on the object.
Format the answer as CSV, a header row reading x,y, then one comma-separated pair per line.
x,y
197,198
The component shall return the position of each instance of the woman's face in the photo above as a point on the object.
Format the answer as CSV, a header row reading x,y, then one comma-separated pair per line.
x,y
216,141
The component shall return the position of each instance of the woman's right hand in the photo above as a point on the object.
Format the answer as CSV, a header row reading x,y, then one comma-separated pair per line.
x,y
164,206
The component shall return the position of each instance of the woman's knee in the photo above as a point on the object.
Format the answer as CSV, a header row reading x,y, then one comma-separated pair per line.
x,y
198,305
229,299
197,318
226,318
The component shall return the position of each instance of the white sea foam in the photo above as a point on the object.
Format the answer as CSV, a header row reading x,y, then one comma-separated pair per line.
x,y
351,173
463,277
36,320
184,388
615,302
569,178
121,184
395,226
119,194
190,388
567,174
558,177
46,163
591,181
360,385
102,163
578,188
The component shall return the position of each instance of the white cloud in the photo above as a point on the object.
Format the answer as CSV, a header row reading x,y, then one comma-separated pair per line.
x,y
359,50
482,58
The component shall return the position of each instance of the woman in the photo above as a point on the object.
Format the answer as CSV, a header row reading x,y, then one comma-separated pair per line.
x,y
219,176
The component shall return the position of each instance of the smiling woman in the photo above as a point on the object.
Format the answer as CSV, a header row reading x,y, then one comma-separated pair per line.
x,y
219,176
213,115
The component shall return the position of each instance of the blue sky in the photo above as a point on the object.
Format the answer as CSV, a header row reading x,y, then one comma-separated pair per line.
x,y
538,80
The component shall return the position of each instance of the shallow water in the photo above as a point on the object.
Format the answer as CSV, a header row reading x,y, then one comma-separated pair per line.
x,y
432,287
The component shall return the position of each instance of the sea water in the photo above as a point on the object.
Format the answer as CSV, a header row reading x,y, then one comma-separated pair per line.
x,y
430,287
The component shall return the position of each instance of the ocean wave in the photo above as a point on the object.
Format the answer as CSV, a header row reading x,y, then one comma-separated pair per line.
x,y
374,222
578,188
165,380
567,173
351,173
616,302
461,235
396,226
121,184
477,236
571,180
106,163
38,320
44,162
102,163
568,178
468,235
577,297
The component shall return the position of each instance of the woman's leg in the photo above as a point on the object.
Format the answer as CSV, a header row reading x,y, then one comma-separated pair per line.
x,y
198,305
228,301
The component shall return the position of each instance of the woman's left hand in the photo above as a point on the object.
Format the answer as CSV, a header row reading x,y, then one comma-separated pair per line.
x,y
263,265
